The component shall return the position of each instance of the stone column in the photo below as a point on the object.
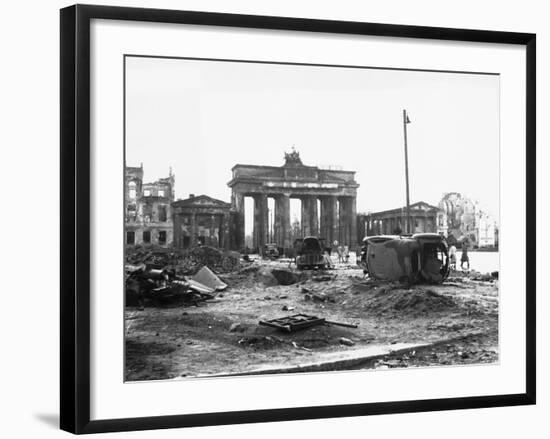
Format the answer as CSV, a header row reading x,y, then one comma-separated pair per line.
x,y
256,226
323,226
343,222
306,217
313,216
281,221
278,222
354,236
260,221
224,226
265,220
193,237
329,219
285,204
237,201
334,219
212,231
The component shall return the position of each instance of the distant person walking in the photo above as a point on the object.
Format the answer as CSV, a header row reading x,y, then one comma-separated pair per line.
x,y
464,258
340,253
452,257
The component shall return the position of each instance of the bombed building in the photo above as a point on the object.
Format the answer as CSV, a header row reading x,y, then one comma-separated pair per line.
x,y
425,218
201,220
466,220
456,217
148,211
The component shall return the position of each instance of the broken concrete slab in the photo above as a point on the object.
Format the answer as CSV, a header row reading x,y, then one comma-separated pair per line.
x,y
265,276
207,277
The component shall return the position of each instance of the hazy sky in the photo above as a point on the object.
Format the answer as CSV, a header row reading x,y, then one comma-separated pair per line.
x,y
203,117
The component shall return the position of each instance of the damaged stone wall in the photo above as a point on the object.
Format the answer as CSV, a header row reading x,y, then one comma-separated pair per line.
x,y
148,211
201,220
466,220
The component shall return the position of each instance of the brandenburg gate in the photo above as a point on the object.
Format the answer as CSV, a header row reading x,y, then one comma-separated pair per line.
x,y
336,190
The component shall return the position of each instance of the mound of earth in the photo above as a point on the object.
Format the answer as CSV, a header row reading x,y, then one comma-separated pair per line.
x,y
409,301
190,261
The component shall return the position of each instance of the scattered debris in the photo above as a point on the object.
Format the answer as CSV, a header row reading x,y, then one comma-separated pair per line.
x,y
236,327
298,322
324,278
300,347
346,341
178,295
265,342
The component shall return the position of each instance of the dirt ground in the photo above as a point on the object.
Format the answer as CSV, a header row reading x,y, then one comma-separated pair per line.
x,y
459,319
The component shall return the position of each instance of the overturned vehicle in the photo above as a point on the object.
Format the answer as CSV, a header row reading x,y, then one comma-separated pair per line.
x,y
412,259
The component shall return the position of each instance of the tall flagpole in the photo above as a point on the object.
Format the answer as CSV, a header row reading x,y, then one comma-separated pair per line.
x,y
405,122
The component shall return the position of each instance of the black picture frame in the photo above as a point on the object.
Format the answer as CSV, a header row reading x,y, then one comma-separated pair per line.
x,y
75,217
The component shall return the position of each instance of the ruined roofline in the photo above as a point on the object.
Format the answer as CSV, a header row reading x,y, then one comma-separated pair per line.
x,y
404,209
158,182
298,167
241,165
190,200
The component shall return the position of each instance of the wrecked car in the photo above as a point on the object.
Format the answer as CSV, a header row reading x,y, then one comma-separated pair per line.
x,y
310,254
412,259
271,251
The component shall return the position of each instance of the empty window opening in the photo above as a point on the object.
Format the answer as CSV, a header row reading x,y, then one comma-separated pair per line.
x,y
147,237
162,237
162,213
130,238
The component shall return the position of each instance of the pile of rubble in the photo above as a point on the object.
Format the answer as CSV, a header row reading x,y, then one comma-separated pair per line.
x,y
184,261
220,261
164,287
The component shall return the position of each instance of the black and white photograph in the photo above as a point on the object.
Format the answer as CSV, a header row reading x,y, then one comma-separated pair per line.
x,y
298,218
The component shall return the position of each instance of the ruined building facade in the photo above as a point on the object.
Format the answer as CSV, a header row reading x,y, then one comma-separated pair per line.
x,y
328,199
201,220
465,219
148,210
425,218
455,217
